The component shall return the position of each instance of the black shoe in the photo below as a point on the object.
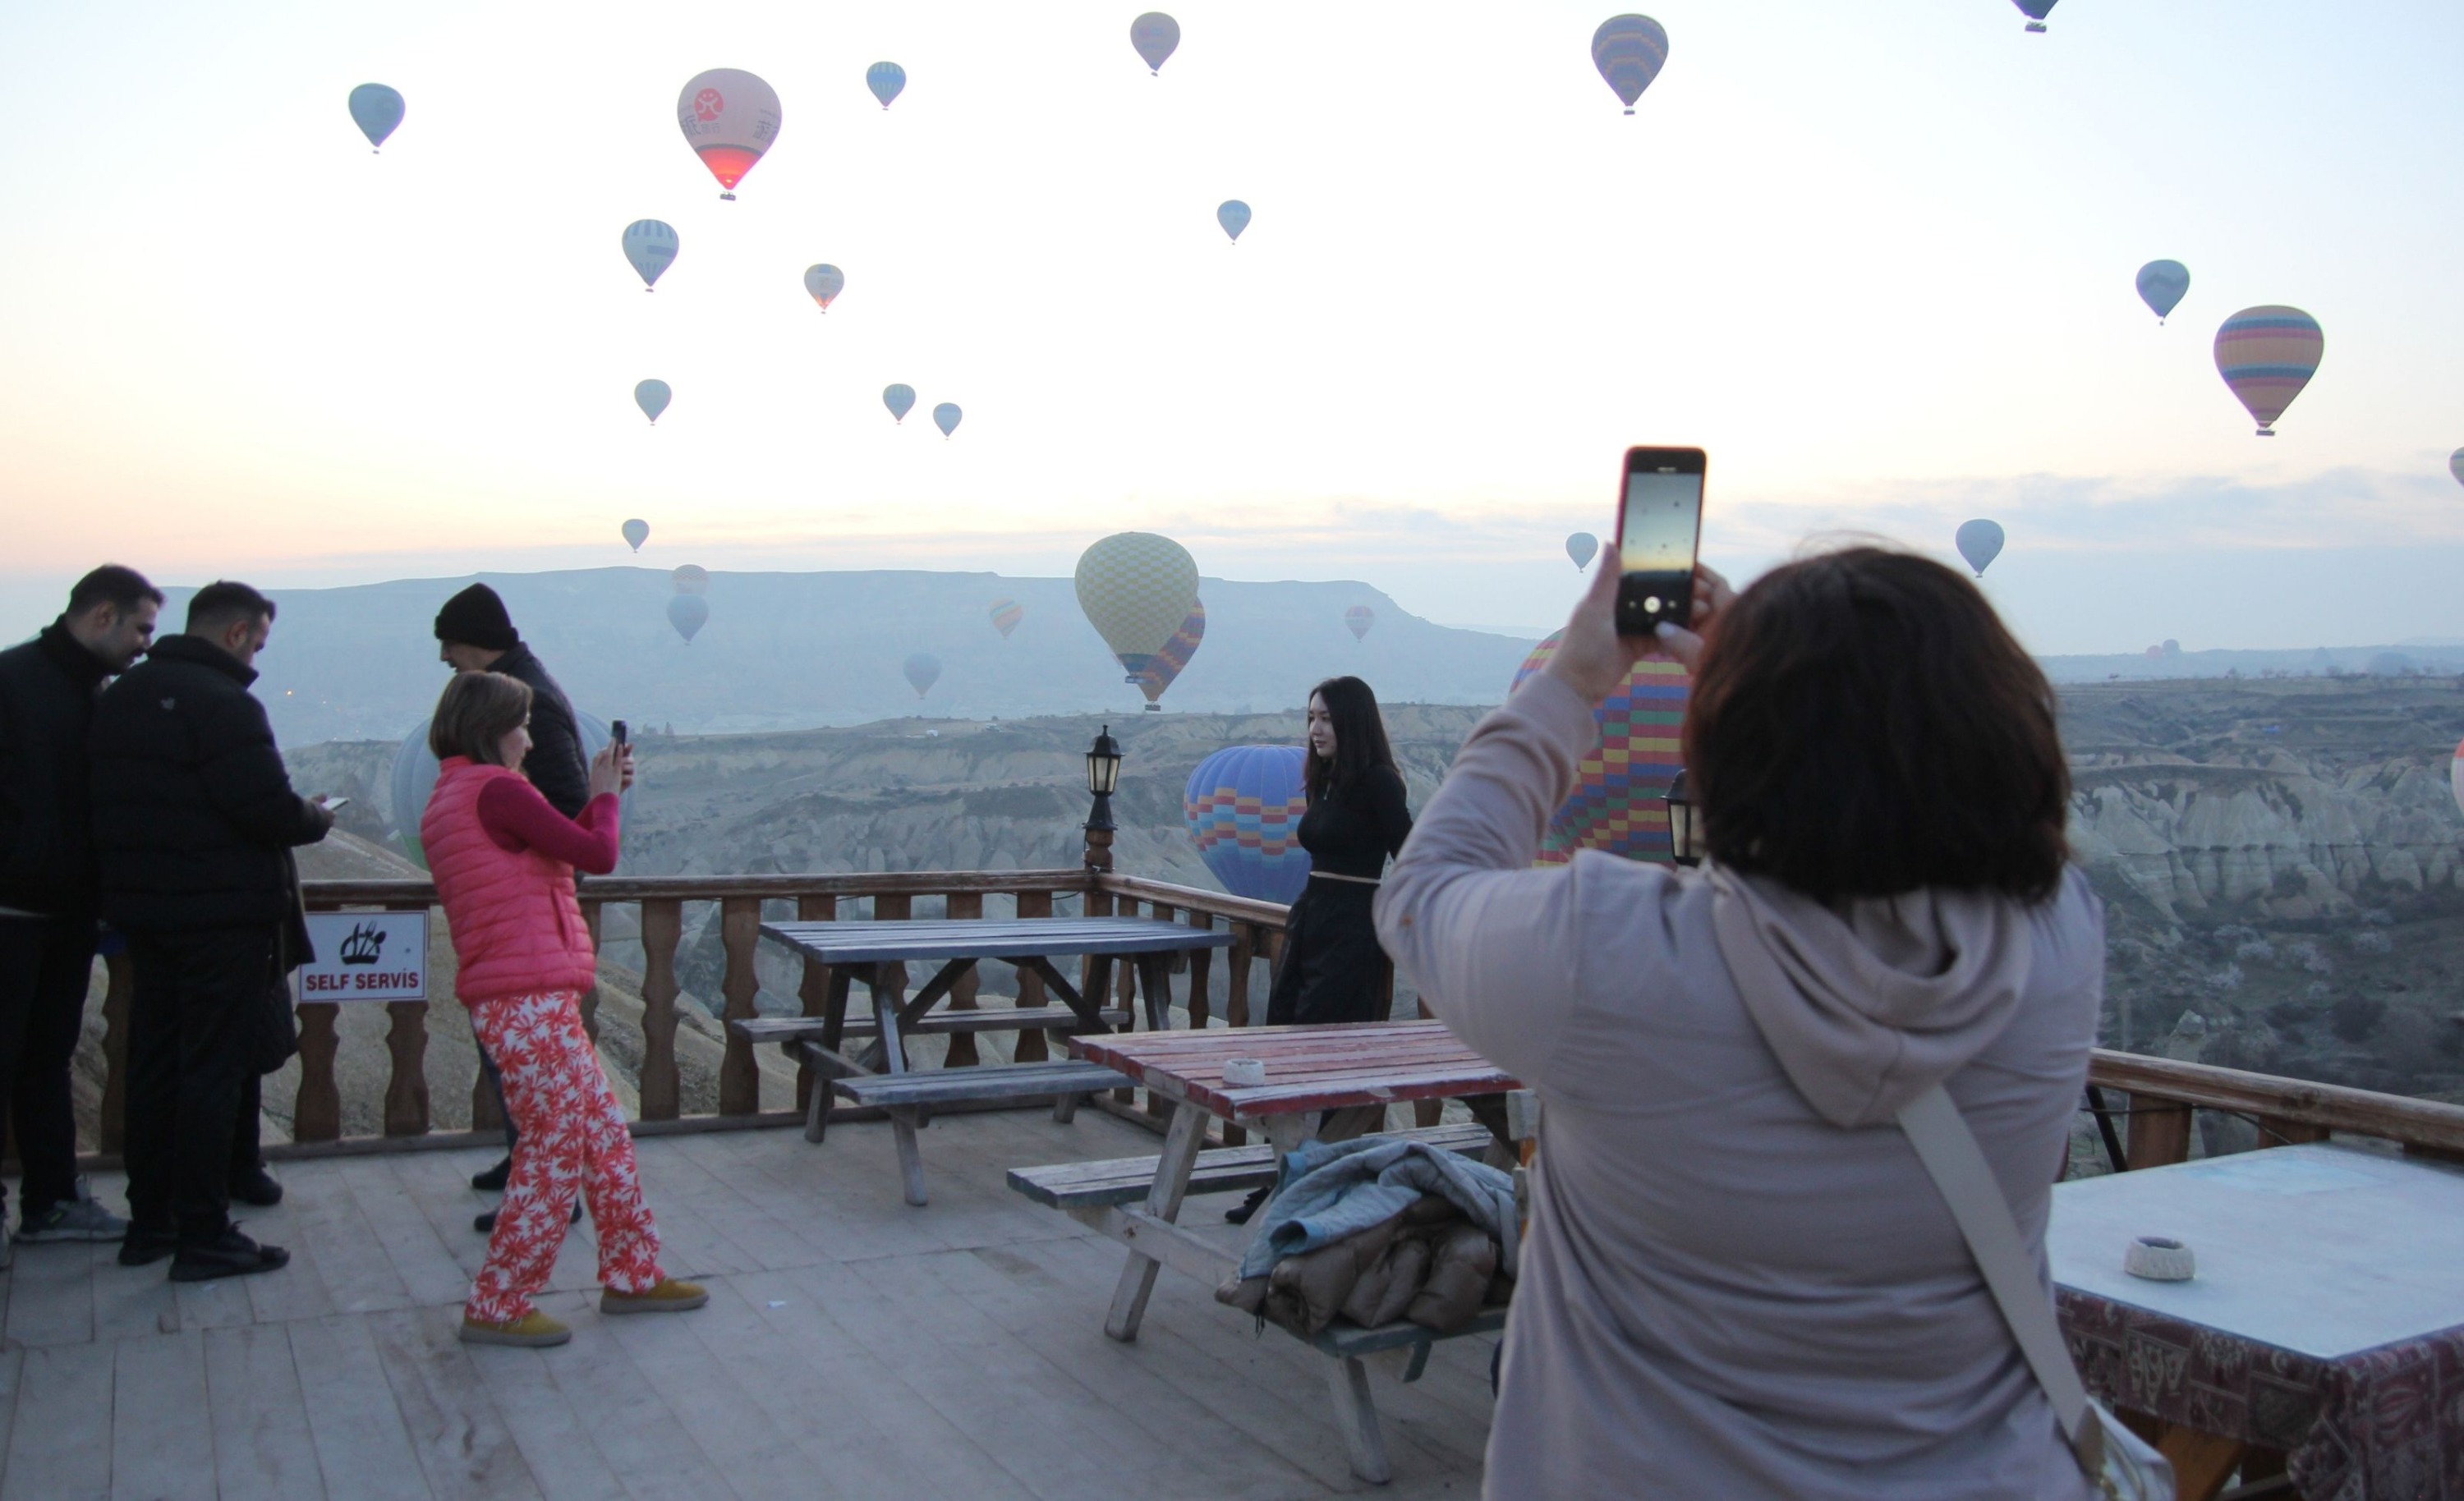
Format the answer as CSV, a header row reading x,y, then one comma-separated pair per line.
x,y
230,1254
485,1224
1240,1214
257,1188
492,1181
144,1247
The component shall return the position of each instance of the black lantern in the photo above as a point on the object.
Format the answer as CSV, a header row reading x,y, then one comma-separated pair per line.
x,y
1685,823
1103,779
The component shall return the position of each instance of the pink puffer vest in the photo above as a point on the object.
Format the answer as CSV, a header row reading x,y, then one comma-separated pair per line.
x,y
517,929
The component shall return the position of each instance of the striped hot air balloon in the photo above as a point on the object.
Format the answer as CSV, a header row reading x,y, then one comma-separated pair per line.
x,y
1620,798
2267,355
1006,614
1629,51
1137,590
887,80
691,579
651,245
1245,804
1167,664
2162,285
2455,776
1359,617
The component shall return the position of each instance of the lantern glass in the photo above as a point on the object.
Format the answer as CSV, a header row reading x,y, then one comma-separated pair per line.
x,y
1104,765
1685,824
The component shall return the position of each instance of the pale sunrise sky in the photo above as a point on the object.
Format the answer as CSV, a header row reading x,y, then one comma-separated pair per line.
x,y
1875,257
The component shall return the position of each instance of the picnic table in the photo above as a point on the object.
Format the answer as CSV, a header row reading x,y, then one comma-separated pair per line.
x,y
876,953
2325,1323
1352,1072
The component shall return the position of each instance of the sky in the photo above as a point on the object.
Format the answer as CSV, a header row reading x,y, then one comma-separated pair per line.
x,y
1877,260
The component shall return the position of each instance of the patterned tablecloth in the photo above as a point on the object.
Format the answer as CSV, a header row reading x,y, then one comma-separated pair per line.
x,y
2381,1424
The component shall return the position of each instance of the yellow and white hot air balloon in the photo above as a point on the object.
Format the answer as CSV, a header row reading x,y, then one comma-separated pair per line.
x,y
1137,590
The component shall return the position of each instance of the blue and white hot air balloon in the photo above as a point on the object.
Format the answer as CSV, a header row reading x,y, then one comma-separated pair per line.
x,y
651,247
900,400
1980,542
652,398
376,110
1244,805
2161,286
946,417
884,79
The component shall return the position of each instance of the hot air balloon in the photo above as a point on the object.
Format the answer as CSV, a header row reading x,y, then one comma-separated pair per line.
x,y
2455,465
413,775
886,81
637,532
2267,355
730,118
1582,547
946,417
923,670
1006,614
688,613
2036,10
2161,286
1167,664
1980,542
651,247
1359,617
2455,776
1629,50
1245,804
1155,34
691,579
652,398
1234,216
1620,803
2155,653
1137,590
824,282
376,110
900,400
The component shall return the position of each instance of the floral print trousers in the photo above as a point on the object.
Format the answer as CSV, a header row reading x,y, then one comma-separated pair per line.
x,y
573,1138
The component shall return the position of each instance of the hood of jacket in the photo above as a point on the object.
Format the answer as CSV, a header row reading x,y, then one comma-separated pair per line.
x,y
1868,1004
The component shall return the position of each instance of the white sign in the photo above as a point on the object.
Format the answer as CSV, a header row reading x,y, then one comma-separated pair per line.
x,y
366,956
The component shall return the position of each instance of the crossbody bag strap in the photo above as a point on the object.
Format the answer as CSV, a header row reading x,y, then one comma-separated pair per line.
x,y
1957,1164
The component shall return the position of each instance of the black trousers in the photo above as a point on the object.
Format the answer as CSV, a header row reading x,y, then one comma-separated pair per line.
x,y
45,964
193,1033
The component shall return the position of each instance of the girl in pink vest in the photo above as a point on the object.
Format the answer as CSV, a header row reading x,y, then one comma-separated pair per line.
x,y
503,864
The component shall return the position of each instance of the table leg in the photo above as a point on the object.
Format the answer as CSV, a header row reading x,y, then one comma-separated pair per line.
x,y
1155,978
1180,1148
2201,1462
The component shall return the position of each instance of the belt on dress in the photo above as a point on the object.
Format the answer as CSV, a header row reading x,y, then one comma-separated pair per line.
x,y
1358,880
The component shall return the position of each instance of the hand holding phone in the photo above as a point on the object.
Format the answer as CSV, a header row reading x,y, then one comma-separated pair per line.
x,y
1658,534
616,731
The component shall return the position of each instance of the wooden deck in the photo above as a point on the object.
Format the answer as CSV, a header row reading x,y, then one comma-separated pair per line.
x,y
854,1347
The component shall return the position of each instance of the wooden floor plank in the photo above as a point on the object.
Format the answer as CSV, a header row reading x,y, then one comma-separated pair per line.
x,y
50,1293
421,1255
163,1430
350,1259
754,1454
553,1436
133,1302
59,1447
261,1441
13,1363
363,1450
462,1444
645,1444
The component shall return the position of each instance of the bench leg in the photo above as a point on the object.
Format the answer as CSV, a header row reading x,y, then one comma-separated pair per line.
x,y
1355,1414
1065,1107
911,1159
1180,1146
817,1108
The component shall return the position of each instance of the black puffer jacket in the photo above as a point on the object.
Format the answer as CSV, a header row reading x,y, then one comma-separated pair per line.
x,y
47,692
193,814
556,765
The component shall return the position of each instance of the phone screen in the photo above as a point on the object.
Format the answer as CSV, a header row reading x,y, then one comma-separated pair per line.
x,y
1660,525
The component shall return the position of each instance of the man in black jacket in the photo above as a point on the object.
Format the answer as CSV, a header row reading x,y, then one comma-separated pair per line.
x,y
194,822
475,634
47,893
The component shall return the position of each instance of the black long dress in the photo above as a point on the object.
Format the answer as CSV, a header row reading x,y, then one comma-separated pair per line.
x,y
1330,956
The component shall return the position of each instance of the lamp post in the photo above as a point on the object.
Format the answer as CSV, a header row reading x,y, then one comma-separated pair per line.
x,y
1103,778
1685,823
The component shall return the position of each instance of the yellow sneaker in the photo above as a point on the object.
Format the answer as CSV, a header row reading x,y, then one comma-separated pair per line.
x,y
669,1296
533,1330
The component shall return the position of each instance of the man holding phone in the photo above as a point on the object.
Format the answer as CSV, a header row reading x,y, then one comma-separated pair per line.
x,y
475,633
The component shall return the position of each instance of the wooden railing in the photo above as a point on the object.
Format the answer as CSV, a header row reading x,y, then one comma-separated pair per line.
x,y
2154,1099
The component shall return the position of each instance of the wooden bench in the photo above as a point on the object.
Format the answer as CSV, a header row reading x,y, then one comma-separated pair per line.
x,y
1225,1170
909,1099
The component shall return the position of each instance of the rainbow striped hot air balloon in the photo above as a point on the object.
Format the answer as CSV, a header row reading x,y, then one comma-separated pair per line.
x,y
2267,355
1620,798
1005,614
1167,665
1245,804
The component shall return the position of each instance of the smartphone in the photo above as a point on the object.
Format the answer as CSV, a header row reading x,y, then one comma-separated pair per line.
x,y
616,731
332,803
1659,532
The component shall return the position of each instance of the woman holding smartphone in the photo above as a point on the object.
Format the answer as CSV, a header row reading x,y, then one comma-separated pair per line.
x,y
1332,964
503,861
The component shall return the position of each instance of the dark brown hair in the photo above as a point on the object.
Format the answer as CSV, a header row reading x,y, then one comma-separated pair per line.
x,y
1359,737
1863,725
478,710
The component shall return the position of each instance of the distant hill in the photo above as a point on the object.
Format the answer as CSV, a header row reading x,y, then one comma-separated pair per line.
x,y
805,650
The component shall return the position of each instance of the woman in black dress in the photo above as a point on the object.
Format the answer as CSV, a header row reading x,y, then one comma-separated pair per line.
x,y
1356,818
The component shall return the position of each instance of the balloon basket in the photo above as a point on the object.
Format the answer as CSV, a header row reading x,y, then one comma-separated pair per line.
x,y
1155,708
2036,25
2267,432
1629,111
727,198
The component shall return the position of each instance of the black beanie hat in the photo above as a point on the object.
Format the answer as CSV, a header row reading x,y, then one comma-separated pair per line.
x,y
476,618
